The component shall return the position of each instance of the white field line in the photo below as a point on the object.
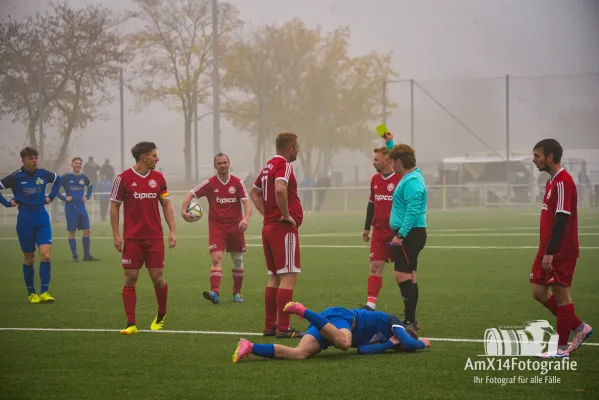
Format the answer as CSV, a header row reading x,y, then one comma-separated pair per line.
x,y
73,330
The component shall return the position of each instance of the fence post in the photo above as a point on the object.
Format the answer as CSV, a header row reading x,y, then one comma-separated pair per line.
x,y
444,193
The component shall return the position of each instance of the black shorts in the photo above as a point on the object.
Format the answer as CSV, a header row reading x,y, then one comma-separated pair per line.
x,y
406,256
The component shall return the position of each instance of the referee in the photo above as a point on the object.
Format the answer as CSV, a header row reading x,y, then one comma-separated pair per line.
x,y
408,222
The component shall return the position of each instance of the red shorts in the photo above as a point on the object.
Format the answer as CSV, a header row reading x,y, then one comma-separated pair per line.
x,y
226,237
380,250
137,252
281,248
562,273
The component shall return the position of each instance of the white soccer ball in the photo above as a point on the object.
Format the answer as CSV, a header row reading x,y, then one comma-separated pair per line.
x,y
195,209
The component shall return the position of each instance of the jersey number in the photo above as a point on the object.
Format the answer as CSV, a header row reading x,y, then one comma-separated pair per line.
x,y
264,187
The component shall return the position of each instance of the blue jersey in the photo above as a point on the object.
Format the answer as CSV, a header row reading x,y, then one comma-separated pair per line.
x,y
29,188
372,327
371,330
74,186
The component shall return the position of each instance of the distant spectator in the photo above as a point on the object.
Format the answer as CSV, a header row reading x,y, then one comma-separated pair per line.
x,y
90,169
307,191
103,188
323,182
107,170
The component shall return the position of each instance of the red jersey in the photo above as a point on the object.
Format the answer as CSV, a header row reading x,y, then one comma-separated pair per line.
x,y
381,194
224,198
140,195
560,197
279,168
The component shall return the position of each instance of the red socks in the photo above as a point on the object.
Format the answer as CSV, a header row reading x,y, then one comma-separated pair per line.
x,y
129,300
161,295
374,287
215,277
567,320
237,280
284,296
270,308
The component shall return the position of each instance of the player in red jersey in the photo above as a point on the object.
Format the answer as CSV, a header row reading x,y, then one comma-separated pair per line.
x,y
558,248
382,185
275,196
226,195
140,190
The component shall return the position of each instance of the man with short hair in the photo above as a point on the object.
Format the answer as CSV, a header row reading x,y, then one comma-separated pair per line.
x,y
75,211
558,251
28,185
408,222
226,196
382,186
275,196
140,190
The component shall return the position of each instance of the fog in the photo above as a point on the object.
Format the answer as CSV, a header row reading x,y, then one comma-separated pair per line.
x,y
458,51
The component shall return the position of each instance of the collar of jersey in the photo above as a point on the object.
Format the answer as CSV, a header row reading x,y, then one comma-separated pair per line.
x,y
29,172
140,175
556,174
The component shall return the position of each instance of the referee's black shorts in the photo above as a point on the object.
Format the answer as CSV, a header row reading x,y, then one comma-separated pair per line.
x,y
406,256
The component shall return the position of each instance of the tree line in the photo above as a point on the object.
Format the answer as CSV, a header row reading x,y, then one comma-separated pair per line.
x,y
60,67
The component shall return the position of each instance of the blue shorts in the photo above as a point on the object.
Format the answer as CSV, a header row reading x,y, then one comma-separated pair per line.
x,y
33,227
341,318
77,218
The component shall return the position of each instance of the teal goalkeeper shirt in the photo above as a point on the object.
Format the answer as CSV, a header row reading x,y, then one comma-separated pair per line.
x,y
409,203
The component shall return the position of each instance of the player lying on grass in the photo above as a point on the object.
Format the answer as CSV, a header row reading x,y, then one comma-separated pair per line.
x,y
371,332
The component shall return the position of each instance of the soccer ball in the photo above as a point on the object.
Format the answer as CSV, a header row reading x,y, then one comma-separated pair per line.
x,y
196,210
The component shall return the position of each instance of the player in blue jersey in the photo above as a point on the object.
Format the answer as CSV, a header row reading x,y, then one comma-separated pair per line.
x,y
28,185
371,332
74,184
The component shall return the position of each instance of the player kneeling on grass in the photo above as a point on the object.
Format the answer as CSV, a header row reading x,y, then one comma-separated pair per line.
x,y
371,332
226,196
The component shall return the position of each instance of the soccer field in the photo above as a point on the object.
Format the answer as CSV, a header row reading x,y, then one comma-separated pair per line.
x,y
473,275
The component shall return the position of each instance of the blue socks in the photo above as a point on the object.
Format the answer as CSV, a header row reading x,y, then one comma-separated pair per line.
x,y
29,275
86,246
44,276
315,319
264,350
73,246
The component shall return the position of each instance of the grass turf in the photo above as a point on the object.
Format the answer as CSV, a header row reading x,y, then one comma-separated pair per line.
x,y
463,291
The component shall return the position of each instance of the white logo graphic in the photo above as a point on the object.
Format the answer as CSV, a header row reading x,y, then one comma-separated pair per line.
x,y
232,190
549,194
390,187
375,187
383,197
126,261
152,183
225,200
144,195
545,207
537,337
212,246
215,190
134,184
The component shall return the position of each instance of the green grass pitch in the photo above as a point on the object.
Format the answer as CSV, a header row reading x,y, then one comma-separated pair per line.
x,y
473,275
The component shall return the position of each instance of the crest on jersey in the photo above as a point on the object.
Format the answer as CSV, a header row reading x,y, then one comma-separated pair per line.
x,y
81,181
152,183
39,181
390,187
549,194
232,190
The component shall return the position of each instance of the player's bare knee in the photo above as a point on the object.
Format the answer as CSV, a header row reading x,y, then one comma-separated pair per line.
x,y
130,280
28,259
402,277
45,255
288,281
376,268
87,233
159,282
72,234
273,281
237,260
343,344
562,294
